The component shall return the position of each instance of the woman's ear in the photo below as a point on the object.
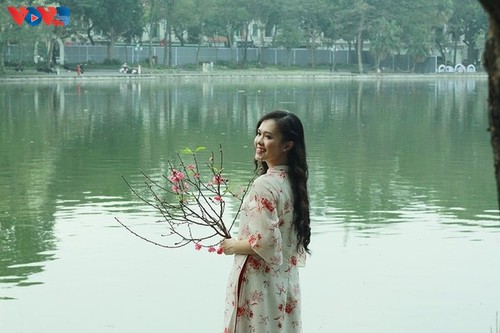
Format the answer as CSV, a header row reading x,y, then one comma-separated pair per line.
x,y
288,145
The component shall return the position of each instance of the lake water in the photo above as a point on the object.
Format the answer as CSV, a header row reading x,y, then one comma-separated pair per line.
x,y
406,233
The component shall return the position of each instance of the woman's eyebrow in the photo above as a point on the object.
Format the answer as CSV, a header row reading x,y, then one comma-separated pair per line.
x,y
264,132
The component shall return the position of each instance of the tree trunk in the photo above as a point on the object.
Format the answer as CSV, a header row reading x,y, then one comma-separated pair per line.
x,y
360,54
111,45
455,47
198,48
312,46
262,29
492,64
2,52
50,52
150,50
111,48
245,49
89,35
349,52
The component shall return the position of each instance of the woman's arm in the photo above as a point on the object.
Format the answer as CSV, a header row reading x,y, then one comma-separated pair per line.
x,y
233,246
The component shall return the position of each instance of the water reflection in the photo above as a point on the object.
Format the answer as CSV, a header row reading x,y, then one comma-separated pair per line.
x,y
381,152
27,168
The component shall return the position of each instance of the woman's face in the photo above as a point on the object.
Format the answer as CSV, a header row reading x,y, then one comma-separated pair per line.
x,y
269,145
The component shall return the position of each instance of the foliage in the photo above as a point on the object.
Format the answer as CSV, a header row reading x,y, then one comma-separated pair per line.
x,y
416,26
419,45
469,22
116,19
313,21
9,32
288,33
385,39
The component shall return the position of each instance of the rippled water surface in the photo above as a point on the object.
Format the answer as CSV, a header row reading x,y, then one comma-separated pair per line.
x,y
406,228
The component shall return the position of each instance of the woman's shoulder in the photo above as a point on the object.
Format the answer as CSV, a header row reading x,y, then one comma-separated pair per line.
x,y
264,180
270,181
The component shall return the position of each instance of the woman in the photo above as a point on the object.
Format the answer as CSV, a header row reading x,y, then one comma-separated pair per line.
x,y
263,294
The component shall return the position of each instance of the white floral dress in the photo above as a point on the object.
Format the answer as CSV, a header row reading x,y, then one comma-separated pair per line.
x,y
263,294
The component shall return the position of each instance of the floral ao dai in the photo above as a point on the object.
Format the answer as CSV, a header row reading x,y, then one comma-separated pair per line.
x,y
263,294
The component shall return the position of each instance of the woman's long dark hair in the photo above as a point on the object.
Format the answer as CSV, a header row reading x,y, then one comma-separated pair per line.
x,y
291,129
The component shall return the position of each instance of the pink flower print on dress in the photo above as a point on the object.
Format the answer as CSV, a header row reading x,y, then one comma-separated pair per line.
x,y
290,305
252,239
254,263
256,296
266,203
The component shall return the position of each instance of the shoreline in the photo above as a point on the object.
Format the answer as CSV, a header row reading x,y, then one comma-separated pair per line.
x,y
111,75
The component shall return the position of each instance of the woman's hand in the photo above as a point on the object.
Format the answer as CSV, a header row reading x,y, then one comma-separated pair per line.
x,y
228,245
233,246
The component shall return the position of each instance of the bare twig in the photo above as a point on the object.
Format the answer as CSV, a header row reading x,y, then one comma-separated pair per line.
x,y
192,208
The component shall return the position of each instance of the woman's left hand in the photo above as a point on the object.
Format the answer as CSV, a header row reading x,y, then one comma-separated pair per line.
x,y
233,246
227,245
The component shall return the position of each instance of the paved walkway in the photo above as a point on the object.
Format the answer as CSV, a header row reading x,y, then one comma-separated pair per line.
x,y
98,74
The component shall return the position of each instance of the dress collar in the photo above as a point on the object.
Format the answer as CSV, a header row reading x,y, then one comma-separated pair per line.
x,y
278,169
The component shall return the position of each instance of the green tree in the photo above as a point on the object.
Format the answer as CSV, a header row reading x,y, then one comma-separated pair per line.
x,y
26,37
419,44
314,18
289,35
441,35
10,32
202,13
441,39
243,19
418,20
152,17
115,19
263,14
384,39
228,19
355,17
185,16
469,22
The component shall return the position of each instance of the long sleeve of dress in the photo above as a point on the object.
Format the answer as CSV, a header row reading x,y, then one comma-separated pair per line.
x,y
264,233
